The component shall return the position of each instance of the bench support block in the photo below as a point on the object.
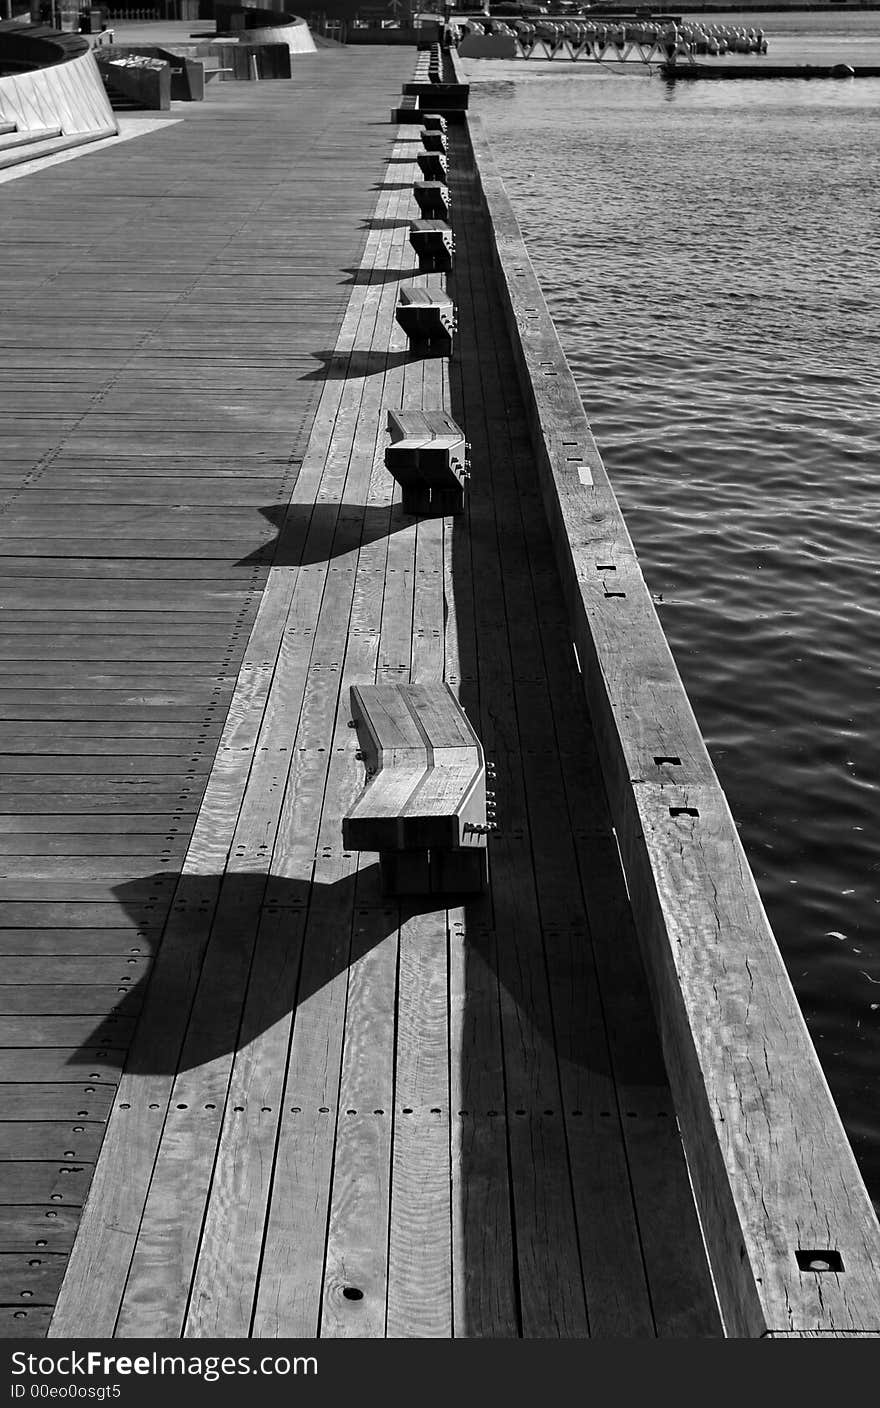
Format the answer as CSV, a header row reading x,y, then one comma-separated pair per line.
x,y
433,872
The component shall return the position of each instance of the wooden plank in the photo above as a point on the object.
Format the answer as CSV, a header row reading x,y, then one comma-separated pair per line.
x,y
90,830
140,910
65,1031
420,1245
152,891
25,1324
49,942
153,848
357,1237
429,602
48,1139
157,1286
72,998
29,1280
123,1172
37,1230
224,1286
40,1182
90,1062
26,875
139,804
56,1101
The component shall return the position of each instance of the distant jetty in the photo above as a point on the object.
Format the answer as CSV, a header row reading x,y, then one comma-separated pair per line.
x,y
764,70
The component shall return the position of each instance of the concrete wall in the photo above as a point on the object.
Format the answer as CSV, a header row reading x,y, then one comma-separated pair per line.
x,y
67,95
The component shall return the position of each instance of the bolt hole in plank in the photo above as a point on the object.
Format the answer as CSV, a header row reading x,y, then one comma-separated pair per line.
x,y
684,811
819,1261
662,759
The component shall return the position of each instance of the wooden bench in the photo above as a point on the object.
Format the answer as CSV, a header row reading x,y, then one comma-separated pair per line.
x,y
432,198
433,242
428,458
433,166
450,98
424,805
428,319
433,141
408,110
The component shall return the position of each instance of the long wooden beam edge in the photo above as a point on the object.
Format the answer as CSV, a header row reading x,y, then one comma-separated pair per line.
x,y
772,1168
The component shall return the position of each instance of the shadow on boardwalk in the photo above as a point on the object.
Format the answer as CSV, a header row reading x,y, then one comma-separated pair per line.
x,y
337,366
259,948
378,276
312,534
238,962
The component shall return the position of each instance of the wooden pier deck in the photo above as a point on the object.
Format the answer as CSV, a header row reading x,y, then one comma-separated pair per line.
x,y
290,1107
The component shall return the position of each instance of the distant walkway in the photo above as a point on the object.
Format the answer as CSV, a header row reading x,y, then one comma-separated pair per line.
x,y
168,309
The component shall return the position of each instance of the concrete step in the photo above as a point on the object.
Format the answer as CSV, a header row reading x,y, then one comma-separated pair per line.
x,y
10,141
49,147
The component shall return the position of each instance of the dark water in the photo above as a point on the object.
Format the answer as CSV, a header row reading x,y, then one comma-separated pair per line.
x,y
710,256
